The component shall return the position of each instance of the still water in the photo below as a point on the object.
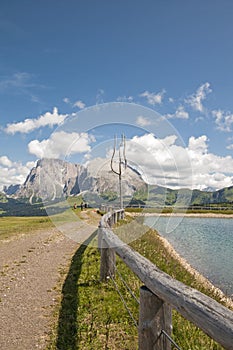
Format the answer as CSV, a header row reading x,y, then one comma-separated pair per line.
x,y
206,243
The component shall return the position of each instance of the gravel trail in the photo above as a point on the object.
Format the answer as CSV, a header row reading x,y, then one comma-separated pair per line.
x,y
29,272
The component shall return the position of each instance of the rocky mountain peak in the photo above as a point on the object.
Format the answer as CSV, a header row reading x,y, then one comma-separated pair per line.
x,y
55,178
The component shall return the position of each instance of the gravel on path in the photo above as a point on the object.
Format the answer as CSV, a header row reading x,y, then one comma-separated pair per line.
x,y
29,273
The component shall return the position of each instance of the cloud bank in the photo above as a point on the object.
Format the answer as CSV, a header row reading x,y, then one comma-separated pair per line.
x,y
13,173
29,125
164,163
161,161
61,144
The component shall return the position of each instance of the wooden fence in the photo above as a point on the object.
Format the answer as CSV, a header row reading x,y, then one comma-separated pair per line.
x,y
160,294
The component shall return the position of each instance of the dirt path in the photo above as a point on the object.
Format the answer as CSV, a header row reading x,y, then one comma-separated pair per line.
x,y
30,268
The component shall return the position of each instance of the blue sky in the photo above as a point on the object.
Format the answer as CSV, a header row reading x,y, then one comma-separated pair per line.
x,y
175,57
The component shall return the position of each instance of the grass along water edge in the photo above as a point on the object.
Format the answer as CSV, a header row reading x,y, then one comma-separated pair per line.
x,y
91,315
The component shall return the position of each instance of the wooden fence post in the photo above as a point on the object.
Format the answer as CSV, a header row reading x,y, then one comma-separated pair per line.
x,y
100,237
108,258
154,316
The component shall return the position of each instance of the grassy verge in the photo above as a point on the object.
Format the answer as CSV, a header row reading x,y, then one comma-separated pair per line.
x,y
16,225
10,226
185,334
167,210
92,315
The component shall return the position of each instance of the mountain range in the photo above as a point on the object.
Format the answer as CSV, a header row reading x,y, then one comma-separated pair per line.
x,y
54,179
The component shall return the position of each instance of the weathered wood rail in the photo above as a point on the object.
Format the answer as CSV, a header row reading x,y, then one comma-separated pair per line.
x,y
160,294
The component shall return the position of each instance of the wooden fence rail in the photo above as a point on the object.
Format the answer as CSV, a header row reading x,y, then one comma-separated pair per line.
x,y
161,293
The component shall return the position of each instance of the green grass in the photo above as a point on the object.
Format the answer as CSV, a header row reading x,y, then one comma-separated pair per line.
x,y
167,210
185,334
10,226
92,316
14,225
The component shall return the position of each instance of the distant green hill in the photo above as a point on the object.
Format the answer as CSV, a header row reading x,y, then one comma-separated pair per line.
x,y
3,198
223,196
15,207
162,196
155,196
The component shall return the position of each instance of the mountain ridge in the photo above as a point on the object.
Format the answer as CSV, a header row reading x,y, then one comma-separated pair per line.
x,y
55,178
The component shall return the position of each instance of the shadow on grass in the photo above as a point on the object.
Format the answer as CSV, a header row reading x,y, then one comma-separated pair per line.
x,y
67,326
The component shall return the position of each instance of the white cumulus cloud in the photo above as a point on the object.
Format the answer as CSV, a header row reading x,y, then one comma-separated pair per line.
x,y
196,99
180,113
28,125
161,161
66,100
223,120
198,145
79,104
125,99
5,161
165,163
13,173
142,121
153,98
61,144
209,170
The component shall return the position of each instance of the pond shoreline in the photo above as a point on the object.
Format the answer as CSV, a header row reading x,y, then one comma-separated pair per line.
x,y
226,300
198,215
